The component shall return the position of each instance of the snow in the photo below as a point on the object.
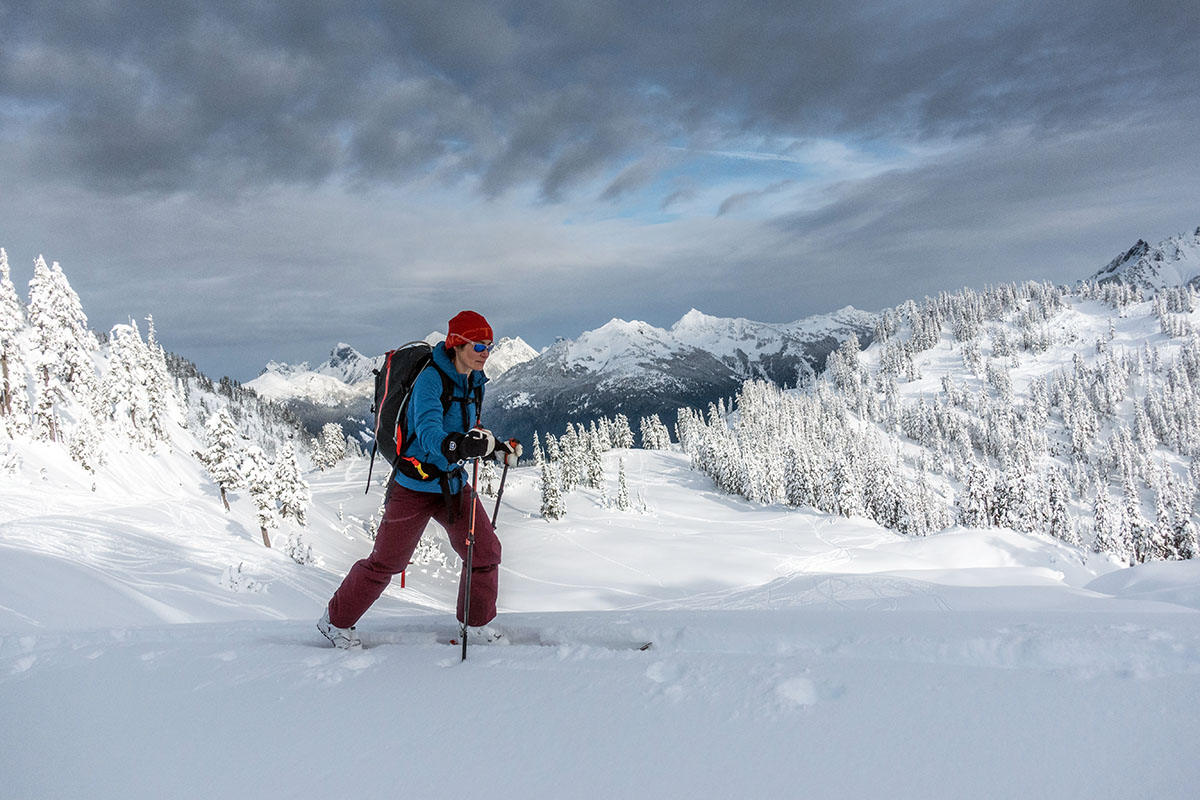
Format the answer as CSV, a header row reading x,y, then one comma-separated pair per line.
x,y
509,352
316,388
1172,262
626,344
347,375
725,337
793,653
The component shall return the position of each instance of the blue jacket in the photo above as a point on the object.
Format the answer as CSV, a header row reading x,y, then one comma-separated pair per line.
x,y
426,418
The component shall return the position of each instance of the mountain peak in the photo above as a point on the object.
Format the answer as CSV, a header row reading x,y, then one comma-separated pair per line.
x,y
343,353
1172,262
692,319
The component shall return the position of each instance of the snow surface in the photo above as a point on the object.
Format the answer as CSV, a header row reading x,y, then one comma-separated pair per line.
x,y
150,647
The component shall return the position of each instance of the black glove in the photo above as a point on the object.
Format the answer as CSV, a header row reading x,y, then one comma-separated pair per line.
x,y
508,453
475,443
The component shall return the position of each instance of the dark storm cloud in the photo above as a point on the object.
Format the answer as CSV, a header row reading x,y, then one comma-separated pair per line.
x,y
171,96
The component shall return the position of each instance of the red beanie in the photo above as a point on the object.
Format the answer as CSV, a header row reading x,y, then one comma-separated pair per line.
x,y
468,326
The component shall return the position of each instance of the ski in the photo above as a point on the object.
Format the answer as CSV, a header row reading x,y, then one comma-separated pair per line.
x,y
634,646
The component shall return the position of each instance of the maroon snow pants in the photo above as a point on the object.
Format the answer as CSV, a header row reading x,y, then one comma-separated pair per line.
x,y
405,515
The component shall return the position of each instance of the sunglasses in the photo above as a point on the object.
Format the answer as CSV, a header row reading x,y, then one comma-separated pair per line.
x,y
480,347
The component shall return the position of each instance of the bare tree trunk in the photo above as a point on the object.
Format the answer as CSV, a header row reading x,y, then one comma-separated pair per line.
x,y
266,539
4,388
224,499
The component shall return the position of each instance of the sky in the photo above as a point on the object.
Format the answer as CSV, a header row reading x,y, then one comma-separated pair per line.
x,y
270,179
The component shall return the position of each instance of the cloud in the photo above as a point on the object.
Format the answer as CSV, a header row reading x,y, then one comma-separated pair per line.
x,y
741,199
268,179
147,96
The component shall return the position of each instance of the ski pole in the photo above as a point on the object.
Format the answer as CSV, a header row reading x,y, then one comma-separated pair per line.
x,y
470,558
503,477
500,493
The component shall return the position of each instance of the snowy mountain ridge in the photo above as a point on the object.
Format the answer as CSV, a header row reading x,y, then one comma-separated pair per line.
x,y
637,369
1172,262
621,346
726,336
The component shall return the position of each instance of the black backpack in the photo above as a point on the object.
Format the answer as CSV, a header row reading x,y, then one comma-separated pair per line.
x,y
393,389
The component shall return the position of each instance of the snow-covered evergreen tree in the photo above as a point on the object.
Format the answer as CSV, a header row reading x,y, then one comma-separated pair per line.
x,y
539,457
977,500
14,396
655,435
848,487
623,501
487,477
295,548
553,506
429,552
295,496
1106,535
63,344
163,401
1184,530
44,418
570,465
125,388
622,434
86,445
263,490
593,462
223,457
802,481
1058,498
330,447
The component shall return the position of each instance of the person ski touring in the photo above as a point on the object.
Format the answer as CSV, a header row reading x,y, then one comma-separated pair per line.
x,y
442,433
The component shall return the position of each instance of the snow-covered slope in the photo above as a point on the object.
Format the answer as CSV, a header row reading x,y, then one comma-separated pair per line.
x,y
345,376
769,350
282,385
1172,262
151,647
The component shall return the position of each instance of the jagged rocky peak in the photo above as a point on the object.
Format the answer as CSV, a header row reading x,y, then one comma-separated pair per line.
x,y
343,353
283,368
1171,262
347,365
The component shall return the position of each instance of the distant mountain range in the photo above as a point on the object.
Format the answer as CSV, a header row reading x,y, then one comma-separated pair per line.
x,y
637,369
622,367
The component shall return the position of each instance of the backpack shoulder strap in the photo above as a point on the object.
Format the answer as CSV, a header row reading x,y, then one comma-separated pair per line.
x,y
449,395
447,386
